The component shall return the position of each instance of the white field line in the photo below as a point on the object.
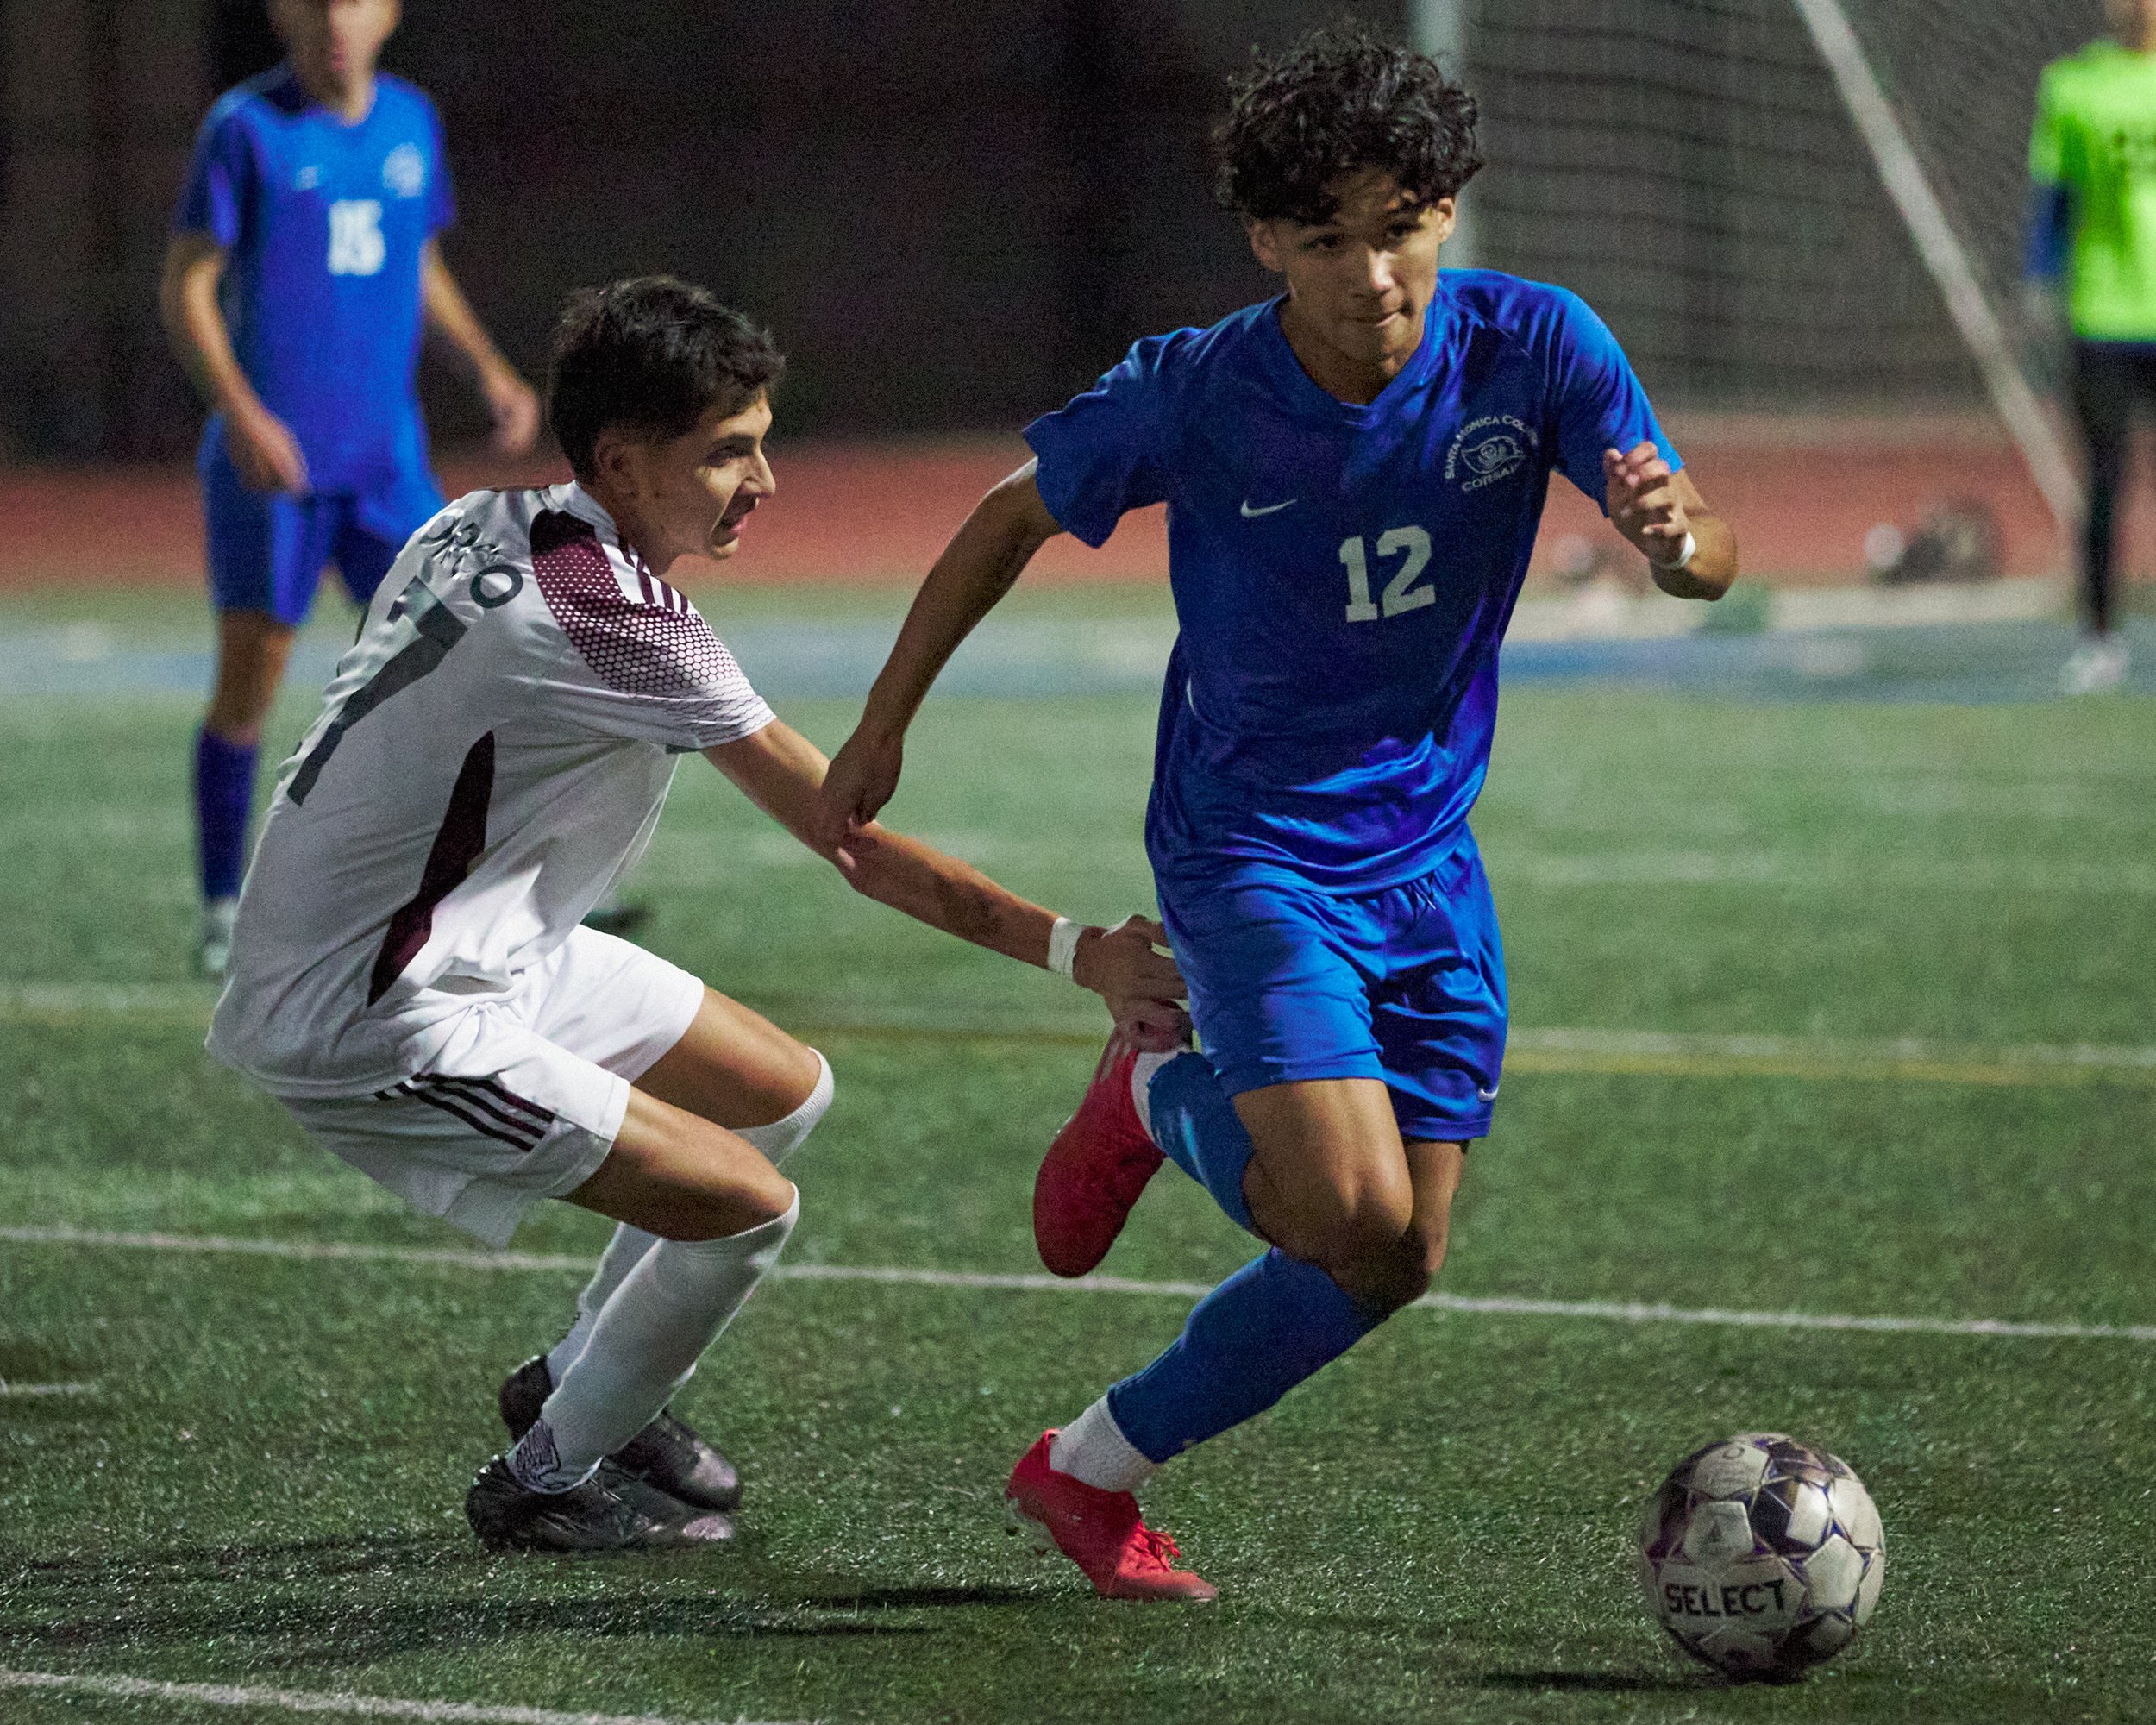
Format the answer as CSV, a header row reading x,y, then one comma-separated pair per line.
x,y
71,1000
1602,1311
1911,1058
318,1701
8,1389
1554,871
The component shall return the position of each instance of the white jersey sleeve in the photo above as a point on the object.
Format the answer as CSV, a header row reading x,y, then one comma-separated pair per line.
x,y
642,665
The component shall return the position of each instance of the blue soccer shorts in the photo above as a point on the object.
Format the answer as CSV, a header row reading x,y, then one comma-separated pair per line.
x,y
266,550
1404,985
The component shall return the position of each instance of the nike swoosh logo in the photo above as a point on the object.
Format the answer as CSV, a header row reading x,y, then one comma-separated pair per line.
x,y
1482,1095
1249,514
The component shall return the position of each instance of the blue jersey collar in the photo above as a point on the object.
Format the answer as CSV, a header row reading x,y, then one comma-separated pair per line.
x,y
1305,395
281,87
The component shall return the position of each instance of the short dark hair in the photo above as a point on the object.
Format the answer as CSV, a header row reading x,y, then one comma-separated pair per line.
x,y
654,354
1339,100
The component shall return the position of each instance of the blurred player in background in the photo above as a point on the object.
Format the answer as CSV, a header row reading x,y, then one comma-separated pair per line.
x,y
408,973
301,270
2092,159
1354,474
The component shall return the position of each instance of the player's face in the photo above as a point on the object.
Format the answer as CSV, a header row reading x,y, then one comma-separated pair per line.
x,y
1360,282
334,42
688,496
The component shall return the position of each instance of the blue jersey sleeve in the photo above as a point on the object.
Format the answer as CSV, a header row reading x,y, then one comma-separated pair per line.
x,y
1600,402
220,178
441,203
1106,453
2050,233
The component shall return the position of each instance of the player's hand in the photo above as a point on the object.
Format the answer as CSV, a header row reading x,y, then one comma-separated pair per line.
x,y
863,777
1127,967
1644,505
265,452
515,411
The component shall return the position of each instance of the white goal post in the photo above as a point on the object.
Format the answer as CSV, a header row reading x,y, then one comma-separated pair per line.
x,y
1948,258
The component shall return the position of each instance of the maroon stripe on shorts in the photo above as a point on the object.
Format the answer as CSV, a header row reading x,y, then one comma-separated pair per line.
x,y
456,847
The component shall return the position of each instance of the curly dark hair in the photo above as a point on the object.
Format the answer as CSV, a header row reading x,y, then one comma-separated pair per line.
x,y
1339,100
654,354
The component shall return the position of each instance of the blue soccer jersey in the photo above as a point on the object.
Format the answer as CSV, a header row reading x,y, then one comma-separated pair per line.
x,y
1342,574
325,224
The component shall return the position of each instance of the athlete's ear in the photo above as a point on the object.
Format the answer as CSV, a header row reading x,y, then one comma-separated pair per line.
x,y
1448,218
1265,242
614,461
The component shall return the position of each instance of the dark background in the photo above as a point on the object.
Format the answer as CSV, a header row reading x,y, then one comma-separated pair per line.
x,y
956,212
952,215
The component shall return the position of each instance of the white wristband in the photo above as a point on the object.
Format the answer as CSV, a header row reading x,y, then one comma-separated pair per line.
x,y
1684,557
1063,948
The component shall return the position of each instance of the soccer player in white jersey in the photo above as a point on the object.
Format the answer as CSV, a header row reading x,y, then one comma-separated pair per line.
x,y
409,976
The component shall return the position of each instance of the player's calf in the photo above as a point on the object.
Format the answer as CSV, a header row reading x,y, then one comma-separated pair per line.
x,y
682,1178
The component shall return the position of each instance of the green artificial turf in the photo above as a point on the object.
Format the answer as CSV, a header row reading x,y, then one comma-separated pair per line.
x,y
262,1485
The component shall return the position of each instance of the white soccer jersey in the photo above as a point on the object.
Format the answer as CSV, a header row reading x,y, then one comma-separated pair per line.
x,y
492,752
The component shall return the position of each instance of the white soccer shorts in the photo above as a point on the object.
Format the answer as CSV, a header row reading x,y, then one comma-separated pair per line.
x,y
524,1100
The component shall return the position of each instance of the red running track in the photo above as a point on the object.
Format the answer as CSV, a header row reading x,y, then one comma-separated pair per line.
x,y
1802,492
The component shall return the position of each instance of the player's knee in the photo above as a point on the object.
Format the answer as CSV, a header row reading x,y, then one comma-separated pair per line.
x,y
1385,1274
783,1137
1372,1250
749,1200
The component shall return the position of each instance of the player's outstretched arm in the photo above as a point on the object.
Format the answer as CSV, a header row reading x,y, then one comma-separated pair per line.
x,y
1658,511
262,446
983,559
783,773
509,398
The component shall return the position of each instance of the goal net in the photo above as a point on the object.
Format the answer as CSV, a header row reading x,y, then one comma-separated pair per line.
x,y
1808,204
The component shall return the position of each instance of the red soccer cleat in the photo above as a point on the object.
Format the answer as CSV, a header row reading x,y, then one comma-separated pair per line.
x,y
1093,1171
1099,1531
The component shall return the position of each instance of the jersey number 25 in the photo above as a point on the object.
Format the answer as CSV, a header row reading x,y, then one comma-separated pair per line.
x,y
1401,591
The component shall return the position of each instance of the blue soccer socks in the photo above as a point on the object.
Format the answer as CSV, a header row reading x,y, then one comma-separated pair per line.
x,y
1269,1326
1197,1128
224,796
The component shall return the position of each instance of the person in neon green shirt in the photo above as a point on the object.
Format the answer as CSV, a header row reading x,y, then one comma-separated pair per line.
x,y
2093,161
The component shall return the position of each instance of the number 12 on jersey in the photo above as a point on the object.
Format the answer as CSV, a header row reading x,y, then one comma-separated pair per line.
x,y
1401,591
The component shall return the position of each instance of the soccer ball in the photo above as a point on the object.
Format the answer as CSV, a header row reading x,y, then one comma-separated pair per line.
x,y
1762,1556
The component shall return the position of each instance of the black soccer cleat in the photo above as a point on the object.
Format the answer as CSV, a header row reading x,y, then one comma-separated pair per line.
x,y
607,1513
667,1453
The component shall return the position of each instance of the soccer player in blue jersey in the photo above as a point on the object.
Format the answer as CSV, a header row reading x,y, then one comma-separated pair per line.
x,y
302,271
1355,473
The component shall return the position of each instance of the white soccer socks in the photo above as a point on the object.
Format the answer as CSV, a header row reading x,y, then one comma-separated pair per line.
x,y
1142,1071
1092,1448
781,1138
650,1332
623,1252
777,1141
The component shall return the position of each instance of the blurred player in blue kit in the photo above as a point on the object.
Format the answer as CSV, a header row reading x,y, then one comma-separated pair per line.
x,y
302,272
1355,474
